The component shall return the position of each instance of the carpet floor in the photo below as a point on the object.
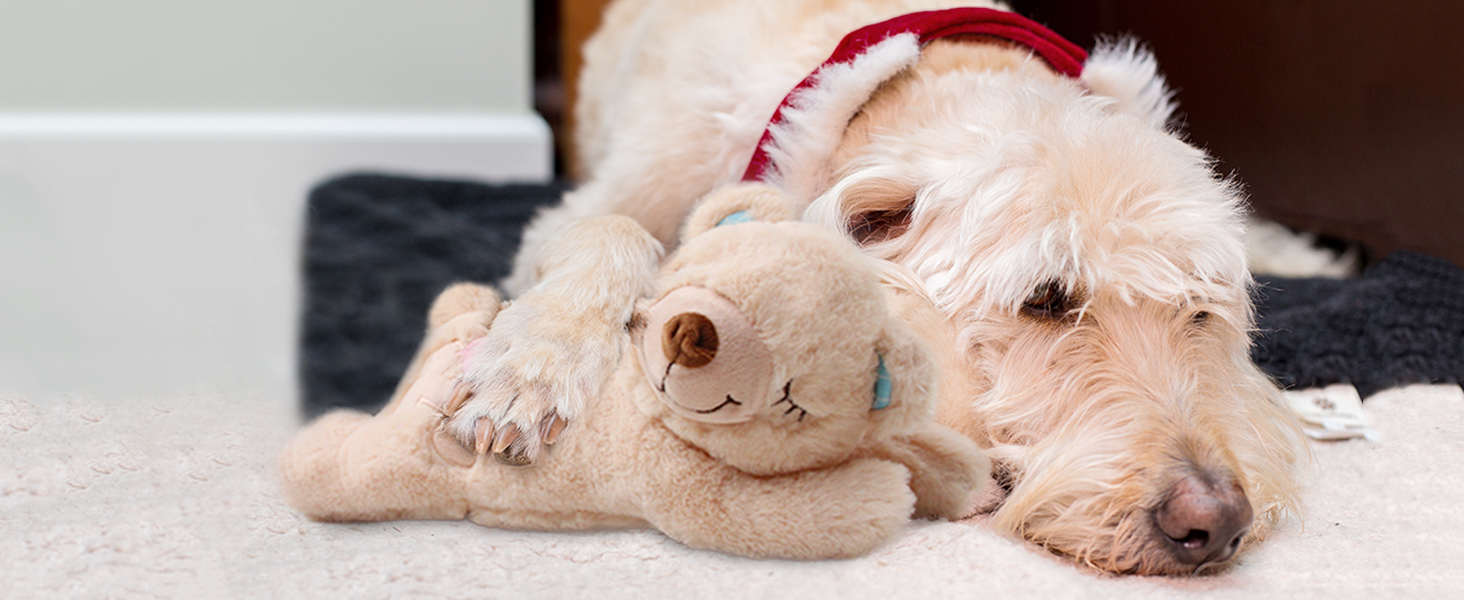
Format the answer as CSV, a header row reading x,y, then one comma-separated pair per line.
x,y
172,497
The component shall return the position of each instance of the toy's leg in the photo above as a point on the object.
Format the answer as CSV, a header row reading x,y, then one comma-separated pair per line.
x,y
554,347
948,472
839,512
461,313
348,466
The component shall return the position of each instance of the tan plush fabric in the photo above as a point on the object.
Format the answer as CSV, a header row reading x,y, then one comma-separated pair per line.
x,y
807,469
743,366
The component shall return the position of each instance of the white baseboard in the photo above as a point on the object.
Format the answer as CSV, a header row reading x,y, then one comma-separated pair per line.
x,y
493,147
150,252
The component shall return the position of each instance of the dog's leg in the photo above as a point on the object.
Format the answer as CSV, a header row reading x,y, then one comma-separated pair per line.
x,y
661,215
554,347
540,234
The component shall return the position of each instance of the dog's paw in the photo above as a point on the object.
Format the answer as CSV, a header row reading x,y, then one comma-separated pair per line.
x,y
525,382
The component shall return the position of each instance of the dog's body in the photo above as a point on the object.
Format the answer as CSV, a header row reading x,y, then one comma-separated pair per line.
x,y
1085,262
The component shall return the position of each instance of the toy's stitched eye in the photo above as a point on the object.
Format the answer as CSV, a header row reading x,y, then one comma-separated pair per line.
x,y
792,406
1048,301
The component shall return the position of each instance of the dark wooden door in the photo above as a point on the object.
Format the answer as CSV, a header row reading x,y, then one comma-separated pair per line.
x,y
1344,117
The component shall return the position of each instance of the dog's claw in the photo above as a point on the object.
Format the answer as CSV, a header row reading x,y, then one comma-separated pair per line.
x,y
460,394
531,374
506,437
515,457
483,435
510,449
552,426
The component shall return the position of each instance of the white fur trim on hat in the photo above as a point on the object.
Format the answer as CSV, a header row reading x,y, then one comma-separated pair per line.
x,y
814,118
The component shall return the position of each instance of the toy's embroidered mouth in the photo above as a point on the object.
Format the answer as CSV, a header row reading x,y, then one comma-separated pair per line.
x,y
792,406
661,385
730,401
712,410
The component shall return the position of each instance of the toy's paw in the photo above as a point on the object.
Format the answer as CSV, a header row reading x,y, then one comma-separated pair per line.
x,y
528,379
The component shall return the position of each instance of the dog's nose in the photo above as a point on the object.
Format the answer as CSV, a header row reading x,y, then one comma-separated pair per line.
x,y
1204,519
690,340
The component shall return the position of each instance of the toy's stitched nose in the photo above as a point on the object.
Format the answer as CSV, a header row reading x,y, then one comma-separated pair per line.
x,y
689,340
1204,520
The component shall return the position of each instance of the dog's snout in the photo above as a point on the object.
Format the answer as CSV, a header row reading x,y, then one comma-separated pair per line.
x,y
1204,520
689,340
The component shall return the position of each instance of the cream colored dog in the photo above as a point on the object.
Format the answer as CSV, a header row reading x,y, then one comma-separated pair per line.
x,y
1086,262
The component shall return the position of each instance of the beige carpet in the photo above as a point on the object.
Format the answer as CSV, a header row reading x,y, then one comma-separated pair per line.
x,y
170,497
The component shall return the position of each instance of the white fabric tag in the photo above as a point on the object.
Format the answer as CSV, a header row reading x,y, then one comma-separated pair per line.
x,y
1331,413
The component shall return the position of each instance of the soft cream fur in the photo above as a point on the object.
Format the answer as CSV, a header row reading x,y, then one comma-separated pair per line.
x,y
990,179
817,474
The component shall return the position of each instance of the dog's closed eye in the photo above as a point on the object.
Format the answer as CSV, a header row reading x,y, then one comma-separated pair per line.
x,y
1199,315
1049,301
875,226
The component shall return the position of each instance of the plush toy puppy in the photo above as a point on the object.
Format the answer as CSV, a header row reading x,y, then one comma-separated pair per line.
x,y
769,406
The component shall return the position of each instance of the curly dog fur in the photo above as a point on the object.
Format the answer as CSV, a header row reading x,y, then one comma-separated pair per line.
x,y
1084,263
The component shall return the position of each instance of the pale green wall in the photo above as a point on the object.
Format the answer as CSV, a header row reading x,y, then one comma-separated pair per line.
x,y
265,55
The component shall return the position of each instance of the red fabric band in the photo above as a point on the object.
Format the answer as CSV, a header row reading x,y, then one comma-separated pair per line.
x,y
1064,56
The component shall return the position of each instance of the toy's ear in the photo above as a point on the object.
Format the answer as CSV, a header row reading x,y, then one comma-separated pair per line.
x,y
1124,70
947,470
738,203
906,384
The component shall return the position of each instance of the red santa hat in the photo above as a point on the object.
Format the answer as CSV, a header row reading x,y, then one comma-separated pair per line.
x,y
810,122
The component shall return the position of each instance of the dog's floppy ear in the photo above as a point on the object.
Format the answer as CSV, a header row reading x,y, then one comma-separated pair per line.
x,y
1126,71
